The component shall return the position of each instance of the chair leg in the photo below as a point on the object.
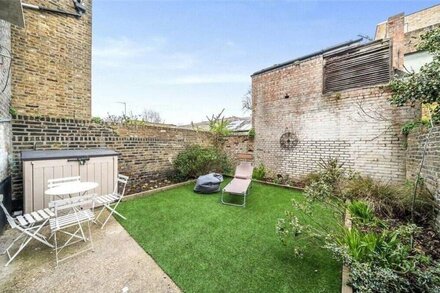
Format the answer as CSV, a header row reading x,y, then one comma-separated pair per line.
x,y
90,236
22,246
56,246
112,211
99,214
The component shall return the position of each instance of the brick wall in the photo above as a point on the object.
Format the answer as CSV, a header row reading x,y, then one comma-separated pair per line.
x,y
239,147
5,99
431,167
358,126
52,62
146,152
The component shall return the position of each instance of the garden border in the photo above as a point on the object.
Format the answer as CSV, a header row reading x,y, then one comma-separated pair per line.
x,y
156,190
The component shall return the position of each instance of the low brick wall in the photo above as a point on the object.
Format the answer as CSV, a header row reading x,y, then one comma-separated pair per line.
x,y
146,152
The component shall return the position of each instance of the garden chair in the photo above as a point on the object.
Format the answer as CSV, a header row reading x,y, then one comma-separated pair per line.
x,y
71,213
240,184
29,225
56,182
112,199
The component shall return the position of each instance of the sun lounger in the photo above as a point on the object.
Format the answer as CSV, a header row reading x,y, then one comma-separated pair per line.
x,y
240,184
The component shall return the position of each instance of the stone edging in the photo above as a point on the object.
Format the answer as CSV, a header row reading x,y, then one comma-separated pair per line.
x,y
153,191
279,185
345,288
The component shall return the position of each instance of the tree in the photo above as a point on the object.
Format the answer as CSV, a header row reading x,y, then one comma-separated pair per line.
x,y
246,101
218,126
151,116
423,86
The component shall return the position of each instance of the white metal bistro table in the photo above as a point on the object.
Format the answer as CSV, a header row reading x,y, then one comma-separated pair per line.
x,y
71,188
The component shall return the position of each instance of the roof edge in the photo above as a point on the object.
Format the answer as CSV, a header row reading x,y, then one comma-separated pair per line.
x,y
276,66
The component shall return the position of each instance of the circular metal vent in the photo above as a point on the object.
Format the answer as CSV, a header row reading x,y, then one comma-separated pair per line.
x,y
288,140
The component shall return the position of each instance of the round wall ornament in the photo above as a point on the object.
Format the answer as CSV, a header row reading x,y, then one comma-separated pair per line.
x,y
288,140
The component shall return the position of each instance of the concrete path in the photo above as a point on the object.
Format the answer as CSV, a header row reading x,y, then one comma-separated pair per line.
x,y
118,264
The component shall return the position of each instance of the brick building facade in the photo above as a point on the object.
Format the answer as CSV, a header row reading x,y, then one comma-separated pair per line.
x,y
292,106
52,62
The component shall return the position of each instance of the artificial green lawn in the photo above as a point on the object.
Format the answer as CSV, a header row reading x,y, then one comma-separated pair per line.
x,y
205,246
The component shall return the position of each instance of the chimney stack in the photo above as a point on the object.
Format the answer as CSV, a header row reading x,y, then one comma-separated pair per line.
x,y
395,31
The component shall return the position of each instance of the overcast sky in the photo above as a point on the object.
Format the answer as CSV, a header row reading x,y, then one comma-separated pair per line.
x,y
189,59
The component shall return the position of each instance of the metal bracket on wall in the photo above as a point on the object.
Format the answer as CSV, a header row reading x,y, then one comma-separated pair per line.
x,y
79,7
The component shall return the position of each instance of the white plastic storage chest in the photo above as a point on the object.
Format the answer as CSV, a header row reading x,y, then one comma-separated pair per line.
x,y
96,165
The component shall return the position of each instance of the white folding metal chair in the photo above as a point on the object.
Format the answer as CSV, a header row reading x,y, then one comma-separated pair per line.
x,y
29,225
51,183
72,212
56,182
114,198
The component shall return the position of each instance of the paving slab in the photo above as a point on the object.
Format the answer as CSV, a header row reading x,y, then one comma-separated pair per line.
x,y
117,264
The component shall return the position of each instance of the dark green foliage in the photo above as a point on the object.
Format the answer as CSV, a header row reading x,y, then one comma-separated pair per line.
x,y
384,261
205,246
259,172
423,86
196,160
408,126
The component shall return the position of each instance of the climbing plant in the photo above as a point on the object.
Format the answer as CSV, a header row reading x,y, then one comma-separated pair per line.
x,y
422,86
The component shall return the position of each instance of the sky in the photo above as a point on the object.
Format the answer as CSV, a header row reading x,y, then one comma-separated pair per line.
x,y
190,59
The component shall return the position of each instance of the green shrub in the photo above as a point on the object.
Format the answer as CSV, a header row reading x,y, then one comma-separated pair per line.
x,y
251,133
196,160
384,261
259,172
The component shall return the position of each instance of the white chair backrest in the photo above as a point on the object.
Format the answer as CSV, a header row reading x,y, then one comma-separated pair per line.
x,y
71,203
56,182
244,170
9,218
121,184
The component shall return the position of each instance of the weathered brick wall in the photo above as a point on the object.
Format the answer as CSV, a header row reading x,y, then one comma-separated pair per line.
x,y
413,22
239,147
146,152
52,62
357,126
431,166
5,99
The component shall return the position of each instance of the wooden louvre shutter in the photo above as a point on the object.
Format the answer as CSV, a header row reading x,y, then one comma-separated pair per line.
x,y
365,65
